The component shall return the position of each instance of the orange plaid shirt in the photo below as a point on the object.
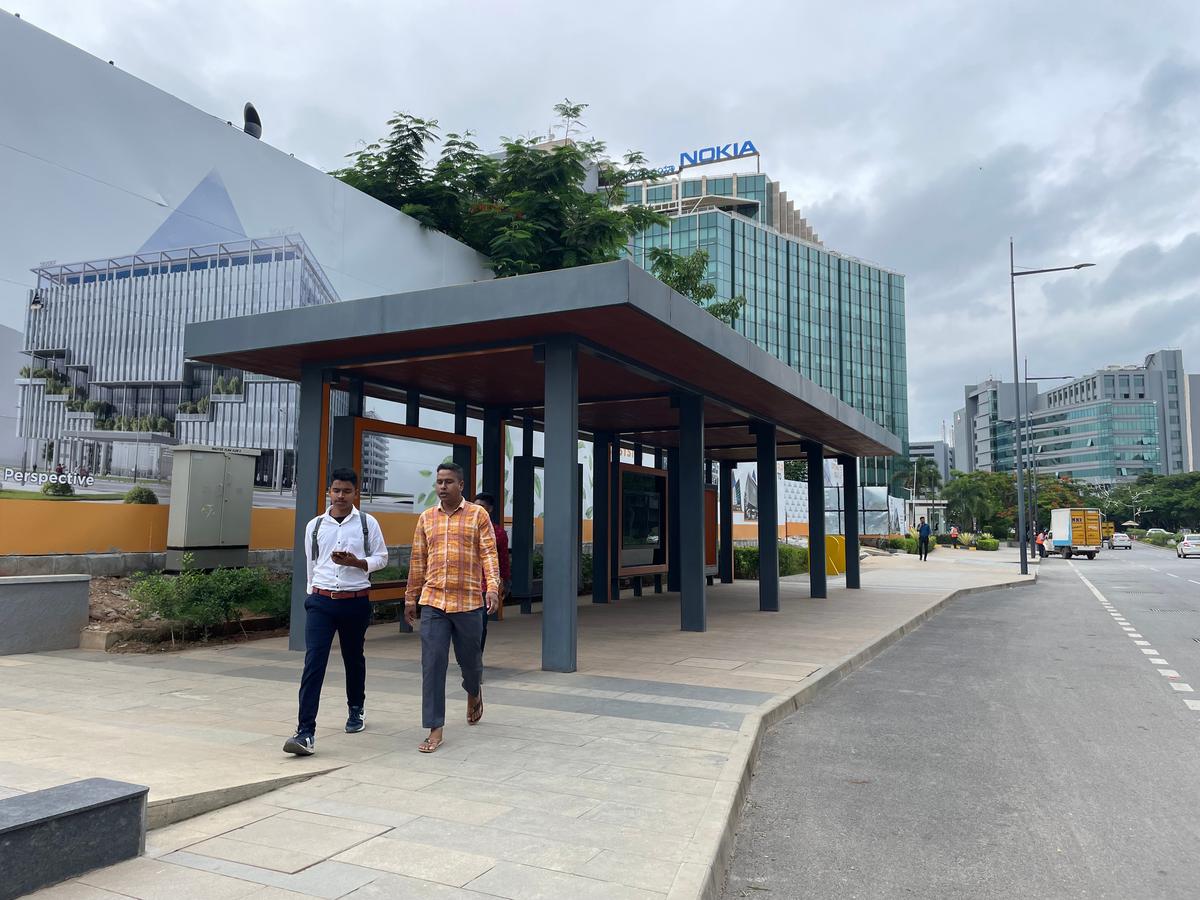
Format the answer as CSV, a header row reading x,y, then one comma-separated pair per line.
x,y
451,555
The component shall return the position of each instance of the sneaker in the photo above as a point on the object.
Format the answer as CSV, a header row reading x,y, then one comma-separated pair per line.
x,y
301,744
357,720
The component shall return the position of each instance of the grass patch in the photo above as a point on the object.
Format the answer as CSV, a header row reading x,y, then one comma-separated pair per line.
x,y
8,494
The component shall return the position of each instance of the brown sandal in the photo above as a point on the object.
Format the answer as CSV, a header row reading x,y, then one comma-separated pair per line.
x,y
475,708
429,745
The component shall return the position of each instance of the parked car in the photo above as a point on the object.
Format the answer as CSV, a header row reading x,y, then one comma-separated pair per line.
x,y
1156,531
1120,541
1189,546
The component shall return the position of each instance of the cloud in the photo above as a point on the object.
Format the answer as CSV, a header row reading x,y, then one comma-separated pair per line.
x,y
920,135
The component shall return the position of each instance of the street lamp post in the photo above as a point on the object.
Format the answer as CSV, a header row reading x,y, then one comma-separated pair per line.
x,y
1022,538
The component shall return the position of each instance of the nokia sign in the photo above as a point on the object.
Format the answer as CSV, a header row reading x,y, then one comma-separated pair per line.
x,y
705,155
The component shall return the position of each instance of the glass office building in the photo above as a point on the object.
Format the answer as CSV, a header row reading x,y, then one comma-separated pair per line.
x,y
837,320
1101,442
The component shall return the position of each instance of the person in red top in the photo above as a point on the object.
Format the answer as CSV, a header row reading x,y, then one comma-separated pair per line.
x,y
488,502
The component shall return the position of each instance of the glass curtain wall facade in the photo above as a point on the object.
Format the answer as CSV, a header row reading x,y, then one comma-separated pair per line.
x,y
835,319
1100,443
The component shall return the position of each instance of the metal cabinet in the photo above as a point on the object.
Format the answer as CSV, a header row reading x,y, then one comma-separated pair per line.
x,y
212,491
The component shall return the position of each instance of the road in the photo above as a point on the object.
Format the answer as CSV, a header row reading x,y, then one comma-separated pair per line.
x,y
1040,742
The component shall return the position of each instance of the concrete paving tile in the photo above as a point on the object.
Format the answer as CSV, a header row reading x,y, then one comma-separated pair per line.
x,y
387,776
158,879
519,882
415,860
398,887
669,821
625,837
530,850
418,803
264,857
74,890
161,841
322,821
681,784
505,794
632,869
635,795
273,893
702,663
327,879
302,837
716,741
374,815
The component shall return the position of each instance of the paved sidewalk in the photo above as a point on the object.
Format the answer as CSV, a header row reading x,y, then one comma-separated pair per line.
x,y
619,781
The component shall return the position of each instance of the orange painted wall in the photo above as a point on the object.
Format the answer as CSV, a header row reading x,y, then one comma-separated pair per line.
x,y
39,527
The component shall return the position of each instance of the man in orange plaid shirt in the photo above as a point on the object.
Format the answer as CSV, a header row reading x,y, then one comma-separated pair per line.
x,y
453,565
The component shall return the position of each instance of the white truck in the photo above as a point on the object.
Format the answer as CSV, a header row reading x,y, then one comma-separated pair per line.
x,y
1075,532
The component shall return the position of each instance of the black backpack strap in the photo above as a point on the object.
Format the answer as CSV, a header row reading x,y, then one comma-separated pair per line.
x,y
315,549
366,537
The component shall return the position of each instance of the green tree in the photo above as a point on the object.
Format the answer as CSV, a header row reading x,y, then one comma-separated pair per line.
x,y
919,474
795,469
526,209
687,276
973,497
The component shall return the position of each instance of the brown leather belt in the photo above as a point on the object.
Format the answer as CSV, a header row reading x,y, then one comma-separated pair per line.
x,y
341,595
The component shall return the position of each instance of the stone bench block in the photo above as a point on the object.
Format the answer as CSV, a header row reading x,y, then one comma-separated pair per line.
x,y
51,835
42,612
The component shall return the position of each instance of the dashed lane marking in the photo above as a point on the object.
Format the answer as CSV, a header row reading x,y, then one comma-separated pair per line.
x,y
1142,643
1193,704
1180,686
1160,662
1169,673
1193,581
1172,574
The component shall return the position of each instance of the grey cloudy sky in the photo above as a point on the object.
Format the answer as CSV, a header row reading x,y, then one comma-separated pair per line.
x,y
919,135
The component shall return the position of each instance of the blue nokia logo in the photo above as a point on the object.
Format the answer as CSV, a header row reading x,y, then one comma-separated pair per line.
x,y
706,155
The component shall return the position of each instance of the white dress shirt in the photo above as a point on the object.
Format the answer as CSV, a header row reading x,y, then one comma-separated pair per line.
x,y
323,572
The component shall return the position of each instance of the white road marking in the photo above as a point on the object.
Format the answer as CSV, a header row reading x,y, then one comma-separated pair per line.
x,y
1172,574
1127,628
1134,634
1150,652
1180,686
1169,673
1193,581
1160,662
1152,569
1193,704
1142,643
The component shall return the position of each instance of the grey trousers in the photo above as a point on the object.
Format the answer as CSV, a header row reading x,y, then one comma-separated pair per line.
x,y
438,630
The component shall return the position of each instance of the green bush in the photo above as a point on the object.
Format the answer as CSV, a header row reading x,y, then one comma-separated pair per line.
x,y
987,543
58,489
195,600
792,561
140,494
943,540
1158,540
389,573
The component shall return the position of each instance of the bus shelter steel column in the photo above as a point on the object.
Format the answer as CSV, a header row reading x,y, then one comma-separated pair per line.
x,y
690,491
658,464
601,513
768,517
673,563
851,514
561,498
725,550
461,453
493,455
815,454
309,493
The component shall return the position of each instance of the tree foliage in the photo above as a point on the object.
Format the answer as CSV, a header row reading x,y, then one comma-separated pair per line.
x,y
526,208
920,472
1158,501
686,275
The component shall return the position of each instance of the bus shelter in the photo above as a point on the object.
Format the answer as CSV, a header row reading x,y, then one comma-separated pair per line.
x,y
603,353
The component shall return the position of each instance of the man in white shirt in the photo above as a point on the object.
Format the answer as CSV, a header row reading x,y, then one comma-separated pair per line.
x,y
343,546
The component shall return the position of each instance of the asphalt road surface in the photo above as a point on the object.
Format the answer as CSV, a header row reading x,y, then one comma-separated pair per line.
x,y
1040,742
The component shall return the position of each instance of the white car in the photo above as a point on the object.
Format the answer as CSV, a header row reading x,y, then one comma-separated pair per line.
x,y
1120,541
1189,546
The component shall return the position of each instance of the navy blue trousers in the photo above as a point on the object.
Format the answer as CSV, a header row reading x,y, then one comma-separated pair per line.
x,y
325,617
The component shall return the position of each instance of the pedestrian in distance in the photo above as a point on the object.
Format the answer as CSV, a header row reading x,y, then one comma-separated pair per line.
x,y
1041,545
343,546
923,532
453,546
488,502
954,535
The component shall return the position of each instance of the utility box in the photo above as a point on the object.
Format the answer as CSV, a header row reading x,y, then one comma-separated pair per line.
x,y
212,491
